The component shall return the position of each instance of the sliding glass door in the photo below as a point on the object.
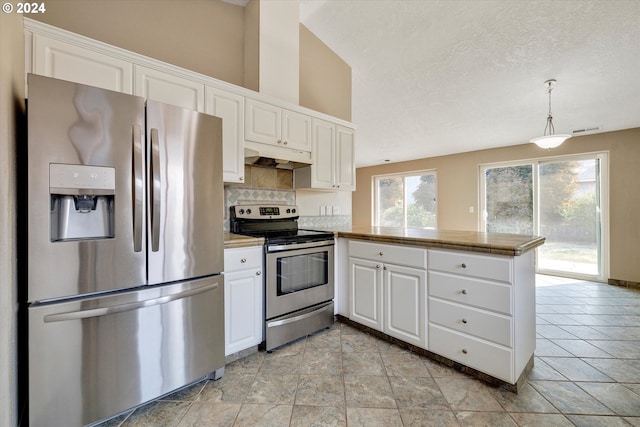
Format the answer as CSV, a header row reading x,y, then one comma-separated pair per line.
x,y
569,212
560,199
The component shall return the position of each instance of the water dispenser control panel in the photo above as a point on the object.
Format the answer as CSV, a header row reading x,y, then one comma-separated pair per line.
x,y
88,178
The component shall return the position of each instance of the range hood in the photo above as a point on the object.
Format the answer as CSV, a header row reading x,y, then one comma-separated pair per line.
x,y
264,155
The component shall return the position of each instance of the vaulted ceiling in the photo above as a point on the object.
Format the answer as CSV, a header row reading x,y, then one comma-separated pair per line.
x,y
436,77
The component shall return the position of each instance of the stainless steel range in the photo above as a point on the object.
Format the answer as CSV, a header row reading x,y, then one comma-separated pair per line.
x,y
298,271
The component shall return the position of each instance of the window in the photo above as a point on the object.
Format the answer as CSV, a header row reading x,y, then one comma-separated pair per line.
x,y
405,200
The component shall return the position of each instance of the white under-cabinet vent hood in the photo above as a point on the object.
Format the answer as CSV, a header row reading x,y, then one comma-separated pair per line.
x,y
283,158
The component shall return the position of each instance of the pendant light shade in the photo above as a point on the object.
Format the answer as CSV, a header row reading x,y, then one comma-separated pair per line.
x,y
550,139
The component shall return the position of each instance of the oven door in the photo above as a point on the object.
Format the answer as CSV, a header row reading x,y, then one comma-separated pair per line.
x,y
298,276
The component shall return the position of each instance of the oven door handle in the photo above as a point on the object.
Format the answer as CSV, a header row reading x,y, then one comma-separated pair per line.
x,y
303,316
292,247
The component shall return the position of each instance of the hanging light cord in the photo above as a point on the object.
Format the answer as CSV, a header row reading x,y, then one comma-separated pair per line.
x,y
549,126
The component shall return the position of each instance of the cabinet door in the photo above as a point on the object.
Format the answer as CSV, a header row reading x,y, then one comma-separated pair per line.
x,y
296,130
60,60
263,122
405,302
168,88
242,310
345,170
229,107
323,154
365,296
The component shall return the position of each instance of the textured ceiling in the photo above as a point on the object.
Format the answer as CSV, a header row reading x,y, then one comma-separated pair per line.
x,y
440,77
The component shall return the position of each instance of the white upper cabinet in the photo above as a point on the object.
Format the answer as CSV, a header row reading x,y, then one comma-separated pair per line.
x,y
60,60
168,88
333,159
344,164
230,108
270,124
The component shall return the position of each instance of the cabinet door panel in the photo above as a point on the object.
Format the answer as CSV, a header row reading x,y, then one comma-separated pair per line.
x,y
169,89
366,293
60,60
345,161
243,310
229,107
296,130
263,122
404,300
323,154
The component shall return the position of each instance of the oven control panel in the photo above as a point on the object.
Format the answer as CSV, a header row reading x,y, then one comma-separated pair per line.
x,y
264,211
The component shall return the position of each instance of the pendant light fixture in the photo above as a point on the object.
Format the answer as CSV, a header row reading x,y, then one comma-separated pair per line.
x,y
549,139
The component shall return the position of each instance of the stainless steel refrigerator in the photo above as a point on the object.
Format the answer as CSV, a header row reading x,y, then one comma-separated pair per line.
x,y
125,251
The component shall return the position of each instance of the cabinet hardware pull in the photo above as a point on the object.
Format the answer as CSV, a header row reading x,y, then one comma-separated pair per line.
x,y
243,260
464,321
279,141
285,142
384,268
258,273
464,351
463,265
377,265
380,253
464,292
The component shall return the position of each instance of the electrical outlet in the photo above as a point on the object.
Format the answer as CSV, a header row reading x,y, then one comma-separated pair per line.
x,y
321,211
327,210
471,209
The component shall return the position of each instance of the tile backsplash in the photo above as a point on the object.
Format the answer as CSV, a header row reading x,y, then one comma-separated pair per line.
x,y
270,185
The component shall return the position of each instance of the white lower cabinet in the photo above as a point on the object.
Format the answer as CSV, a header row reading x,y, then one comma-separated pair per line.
x,y
243,298
482,310
475,309
386,296
404,300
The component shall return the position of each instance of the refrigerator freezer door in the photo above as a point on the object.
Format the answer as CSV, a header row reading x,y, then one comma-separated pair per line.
x,y
78,135
128,348
185,192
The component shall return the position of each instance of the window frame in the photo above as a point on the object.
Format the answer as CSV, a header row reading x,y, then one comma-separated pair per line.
x,y
603,157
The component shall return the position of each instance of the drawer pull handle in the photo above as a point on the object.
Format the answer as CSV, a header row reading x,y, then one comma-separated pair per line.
x,y
464,292
258,273
463,265
377,265
380,253
384,268
464,321
243,260
464,351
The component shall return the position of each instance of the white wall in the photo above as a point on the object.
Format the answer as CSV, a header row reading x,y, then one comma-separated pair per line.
x,y
11,109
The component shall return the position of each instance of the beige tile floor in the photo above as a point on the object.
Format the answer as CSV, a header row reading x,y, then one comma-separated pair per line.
x,y
587,373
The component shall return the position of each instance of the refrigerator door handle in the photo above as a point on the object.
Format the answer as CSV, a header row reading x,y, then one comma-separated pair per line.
x,y
137,188
155,191
97,312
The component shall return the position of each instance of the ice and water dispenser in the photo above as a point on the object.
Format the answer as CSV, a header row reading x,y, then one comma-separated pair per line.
x,y
82,202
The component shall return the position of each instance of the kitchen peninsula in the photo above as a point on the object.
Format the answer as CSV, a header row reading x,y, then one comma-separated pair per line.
x,y
464,298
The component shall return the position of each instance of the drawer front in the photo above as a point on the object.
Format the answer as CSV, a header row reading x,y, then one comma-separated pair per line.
x,y
470,291
492,267
486,357
482,324
242,258
393,254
